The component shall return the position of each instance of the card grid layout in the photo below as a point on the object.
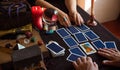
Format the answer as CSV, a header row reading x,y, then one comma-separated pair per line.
x,y
76,38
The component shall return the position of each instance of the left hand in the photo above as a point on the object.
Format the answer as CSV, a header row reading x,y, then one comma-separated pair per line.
x,y
76,17
112,54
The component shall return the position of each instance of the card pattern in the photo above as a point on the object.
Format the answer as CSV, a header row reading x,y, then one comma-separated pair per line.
x,y
88,48
70,41
80,37
91,35
62,32
72,29
98,44
72,57
77,51
110,44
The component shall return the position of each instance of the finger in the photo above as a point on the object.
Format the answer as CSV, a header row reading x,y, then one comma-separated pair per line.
x,y
106,55
75,65
78,20
105,50
108,62
66,20
79,61
89,59
83,59
95,64
81,19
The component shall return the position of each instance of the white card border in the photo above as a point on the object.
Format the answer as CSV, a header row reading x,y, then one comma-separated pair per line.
x,y
91,47
81,41
93,33
60,34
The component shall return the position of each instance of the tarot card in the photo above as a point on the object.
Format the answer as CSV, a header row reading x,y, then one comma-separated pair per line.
x,y
80,37
55,47
91,35
88,48
62,32
77,51
73,29
70,41
83,27
98,44
110,44
73,57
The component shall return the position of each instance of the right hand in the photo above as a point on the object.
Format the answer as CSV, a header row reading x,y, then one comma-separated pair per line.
x,y
85,63
63,18
112,54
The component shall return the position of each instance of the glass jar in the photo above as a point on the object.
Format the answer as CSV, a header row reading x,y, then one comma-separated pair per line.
x,y
49,19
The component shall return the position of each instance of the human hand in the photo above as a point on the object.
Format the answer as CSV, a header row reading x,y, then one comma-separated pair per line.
x,y
85,63
64,19
112,54
76,17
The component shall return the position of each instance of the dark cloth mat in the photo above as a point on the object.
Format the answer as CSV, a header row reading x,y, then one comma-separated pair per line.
x,y
60,63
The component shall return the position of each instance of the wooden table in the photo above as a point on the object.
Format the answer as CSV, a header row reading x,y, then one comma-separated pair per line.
x,y
5,53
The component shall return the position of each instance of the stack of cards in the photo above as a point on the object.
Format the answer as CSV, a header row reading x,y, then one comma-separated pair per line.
x,y
87,48
55,49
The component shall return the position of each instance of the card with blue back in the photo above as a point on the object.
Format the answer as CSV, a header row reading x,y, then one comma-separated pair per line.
x,y
62,32
54,47
77,51
98,44
72,57
72,29
110,44
80,37
83,27
70,41
91,35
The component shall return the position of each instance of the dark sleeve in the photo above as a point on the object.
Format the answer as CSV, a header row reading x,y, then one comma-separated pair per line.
x,y
31,2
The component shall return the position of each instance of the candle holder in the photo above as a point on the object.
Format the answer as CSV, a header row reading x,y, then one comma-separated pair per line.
x,y
91,20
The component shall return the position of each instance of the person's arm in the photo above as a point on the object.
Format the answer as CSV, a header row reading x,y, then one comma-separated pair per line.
x,y
72,8
62,17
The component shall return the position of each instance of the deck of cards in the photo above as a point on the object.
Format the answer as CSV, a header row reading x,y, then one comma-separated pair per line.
x,y
55,49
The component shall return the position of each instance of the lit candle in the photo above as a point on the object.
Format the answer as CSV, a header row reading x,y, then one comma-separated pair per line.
x,y
37,12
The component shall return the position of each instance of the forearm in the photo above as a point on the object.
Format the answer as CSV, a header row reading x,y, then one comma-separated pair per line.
x,y
71,5
46,4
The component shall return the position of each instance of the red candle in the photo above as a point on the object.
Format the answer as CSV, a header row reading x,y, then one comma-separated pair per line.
x,y
37,12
